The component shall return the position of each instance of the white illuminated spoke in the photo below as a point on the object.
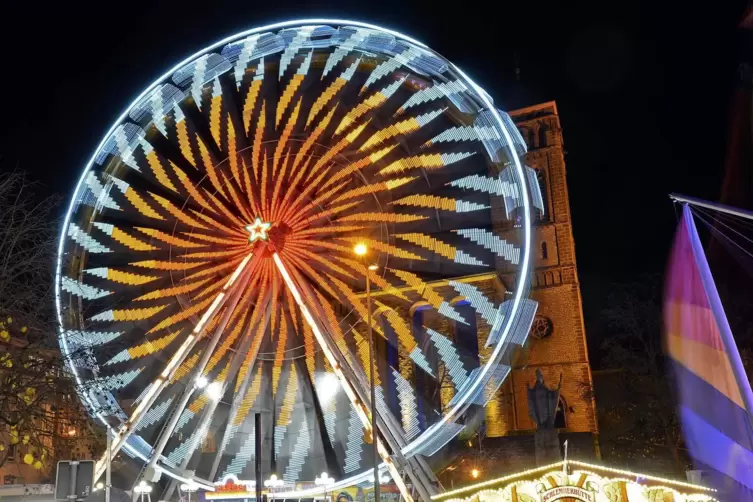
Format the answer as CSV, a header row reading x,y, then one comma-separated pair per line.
x,y
167,373
349,391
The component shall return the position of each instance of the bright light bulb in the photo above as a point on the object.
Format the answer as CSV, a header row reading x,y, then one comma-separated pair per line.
x,y
201,382
475,473
214,391
360,249
373,267
327,387
100,486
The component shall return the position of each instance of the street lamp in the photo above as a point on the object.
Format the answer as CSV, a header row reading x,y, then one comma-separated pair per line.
x,y
143,490
272,484
189,488
325,481
361,250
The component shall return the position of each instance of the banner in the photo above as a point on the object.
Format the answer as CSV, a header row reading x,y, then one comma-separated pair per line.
x,y
713,391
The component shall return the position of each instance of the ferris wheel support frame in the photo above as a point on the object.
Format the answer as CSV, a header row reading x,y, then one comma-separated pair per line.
x,y
352,390
238,398
177,411
208,412
414,465
230,290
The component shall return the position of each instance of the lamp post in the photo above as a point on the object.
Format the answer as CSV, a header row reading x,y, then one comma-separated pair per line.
x,y
325,481
143,490
189,488
272,484
383,479
361,250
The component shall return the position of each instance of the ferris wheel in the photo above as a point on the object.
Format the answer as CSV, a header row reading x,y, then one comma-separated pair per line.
x,y
256,215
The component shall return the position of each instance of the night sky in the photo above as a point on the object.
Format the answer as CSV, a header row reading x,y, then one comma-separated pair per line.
x,y
643,90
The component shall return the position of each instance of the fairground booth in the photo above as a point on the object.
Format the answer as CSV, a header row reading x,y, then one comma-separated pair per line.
x,y
573,481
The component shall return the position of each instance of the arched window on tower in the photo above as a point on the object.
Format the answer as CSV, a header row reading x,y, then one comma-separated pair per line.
x,y
544,188
542,135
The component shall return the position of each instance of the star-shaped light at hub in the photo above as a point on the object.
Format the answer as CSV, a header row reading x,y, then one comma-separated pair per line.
x,y
258,230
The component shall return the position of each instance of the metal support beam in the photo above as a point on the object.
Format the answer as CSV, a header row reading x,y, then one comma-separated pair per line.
x,y
415,467
356,393
188,391
722,208
235,363
239,396
168,372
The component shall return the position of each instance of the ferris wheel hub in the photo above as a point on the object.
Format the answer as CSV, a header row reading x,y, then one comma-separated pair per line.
x,y
258,230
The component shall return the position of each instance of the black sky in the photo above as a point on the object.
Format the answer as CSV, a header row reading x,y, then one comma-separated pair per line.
x,y
643,89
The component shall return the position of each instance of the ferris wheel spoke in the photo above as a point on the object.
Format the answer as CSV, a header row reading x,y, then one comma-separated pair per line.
x,y
156,388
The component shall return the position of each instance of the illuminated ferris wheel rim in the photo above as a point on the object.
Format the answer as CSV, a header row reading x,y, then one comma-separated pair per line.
x,y
461,404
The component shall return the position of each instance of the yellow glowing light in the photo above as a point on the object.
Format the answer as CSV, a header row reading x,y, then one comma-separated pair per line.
x,y
373,267
448,495
475,473
360,249
258,230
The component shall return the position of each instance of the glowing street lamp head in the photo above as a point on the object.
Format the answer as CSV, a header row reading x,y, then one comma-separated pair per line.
x,y
360,249
258,230
475,473
373,267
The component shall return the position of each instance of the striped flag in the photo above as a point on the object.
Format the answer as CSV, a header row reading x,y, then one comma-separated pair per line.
x,y
714,393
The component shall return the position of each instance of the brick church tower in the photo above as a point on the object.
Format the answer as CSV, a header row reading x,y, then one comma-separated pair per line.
x,y
557,342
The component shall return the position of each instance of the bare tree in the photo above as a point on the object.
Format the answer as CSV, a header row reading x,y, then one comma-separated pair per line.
x,y
637,417
28,228
40,414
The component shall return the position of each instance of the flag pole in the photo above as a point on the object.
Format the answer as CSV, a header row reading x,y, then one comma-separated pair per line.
x,y
722,208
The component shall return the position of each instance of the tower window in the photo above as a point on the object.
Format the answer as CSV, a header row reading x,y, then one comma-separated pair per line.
x,y
543,188
544,251
542,135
